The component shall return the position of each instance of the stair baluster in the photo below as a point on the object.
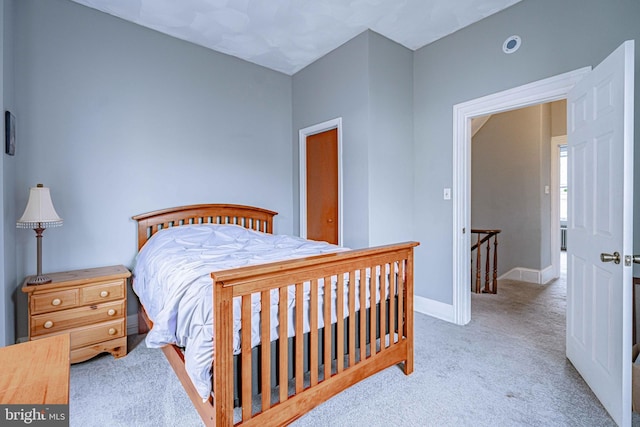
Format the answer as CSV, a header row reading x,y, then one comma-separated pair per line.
x,y
490,280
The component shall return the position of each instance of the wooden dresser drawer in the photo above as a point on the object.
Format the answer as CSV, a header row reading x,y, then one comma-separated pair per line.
x,y
86,335
91,334
102,292
53,301
47,323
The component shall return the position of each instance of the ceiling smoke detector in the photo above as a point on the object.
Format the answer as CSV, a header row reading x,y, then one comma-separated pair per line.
x,y
511,44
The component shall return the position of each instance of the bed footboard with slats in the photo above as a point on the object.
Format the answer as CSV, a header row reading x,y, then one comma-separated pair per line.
x,y
389,325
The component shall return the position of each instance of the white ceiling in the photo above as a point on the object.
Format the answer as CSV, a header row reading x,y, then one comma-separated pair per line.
x,y
287,35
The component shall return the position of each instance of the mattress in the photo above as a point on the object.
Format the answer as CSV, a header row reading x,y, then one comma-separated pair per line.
x,y
172,278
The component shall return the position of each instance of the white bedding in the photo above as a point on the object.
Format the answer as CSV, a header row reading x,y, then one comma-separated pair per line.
x,y
172,279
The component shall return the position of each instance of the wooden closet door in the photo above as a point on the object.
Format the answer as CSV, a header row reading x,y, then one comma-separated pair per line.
x,y
322,186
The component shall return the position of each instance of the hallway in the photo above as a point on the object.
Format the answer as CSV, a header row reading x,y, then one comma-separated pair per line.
x,y
531,318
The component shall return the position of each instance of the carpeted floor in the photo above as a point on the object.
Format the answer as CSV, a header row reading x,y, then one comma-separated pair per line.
x,y
507,367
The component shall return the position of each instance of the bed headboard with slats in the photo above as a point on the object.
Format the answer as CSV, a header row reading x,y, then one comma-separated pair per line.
x,y
246,216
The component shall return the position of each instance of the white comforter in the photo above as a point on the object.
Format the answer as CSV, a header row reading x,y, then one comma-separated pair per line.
x,y
172,279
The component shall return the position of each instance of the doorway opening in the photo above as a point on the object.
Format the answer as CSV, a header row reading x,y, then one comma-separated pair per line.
x,y
547,90
513,186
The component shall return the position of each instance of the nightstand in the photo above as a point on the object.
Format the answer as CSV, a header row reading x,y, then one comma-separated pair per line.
x,y
90,305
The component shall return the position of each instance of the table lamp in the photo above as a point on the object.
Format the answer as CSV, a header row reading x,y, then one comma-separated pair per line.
x,y
39,215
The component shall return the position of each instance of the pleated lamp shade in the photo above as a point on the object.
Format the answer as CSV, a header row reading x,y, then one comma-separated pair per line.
x,y
39,212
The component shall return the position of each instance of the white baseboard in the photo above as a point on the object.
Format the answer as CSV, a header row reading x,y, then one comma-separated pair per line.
x,y
433,308
529,275
547,275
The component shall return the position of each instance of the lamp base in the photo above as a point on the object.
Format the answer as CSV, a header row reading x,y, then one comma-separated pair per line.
x,y
39,280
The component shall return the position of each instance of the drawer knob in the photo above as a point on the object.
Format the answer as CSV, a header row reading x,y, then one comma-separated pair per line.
x,y
56,301
48,324
104,294
111,312
112,331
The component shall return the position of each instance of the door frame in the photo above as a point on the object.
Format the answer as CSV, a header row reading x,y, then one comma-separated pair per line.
x,y
556,143
302,138
539,92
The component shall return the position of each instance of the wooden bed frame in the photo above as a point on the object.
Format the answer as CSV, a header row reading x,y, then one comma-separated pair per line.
x,y
364,354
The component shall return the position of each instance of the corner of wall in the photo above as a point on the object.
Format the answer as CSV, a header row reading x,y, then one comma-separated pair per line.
x,y
3,296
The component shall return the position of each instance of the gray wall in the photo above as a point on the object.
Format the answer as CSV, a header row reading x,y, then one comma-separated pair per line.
x,y
6,307
118,120
7,188
544,179
556,37
367,82
509,169
559,118
337,85
391,141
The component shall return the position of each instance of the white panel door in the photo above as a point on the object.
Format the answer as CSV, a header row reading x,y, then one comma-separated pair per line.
x,y
600,183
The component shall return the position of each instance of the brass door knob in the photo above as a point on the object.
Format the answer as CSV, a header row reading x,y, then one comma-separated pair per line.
x,y
615,257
